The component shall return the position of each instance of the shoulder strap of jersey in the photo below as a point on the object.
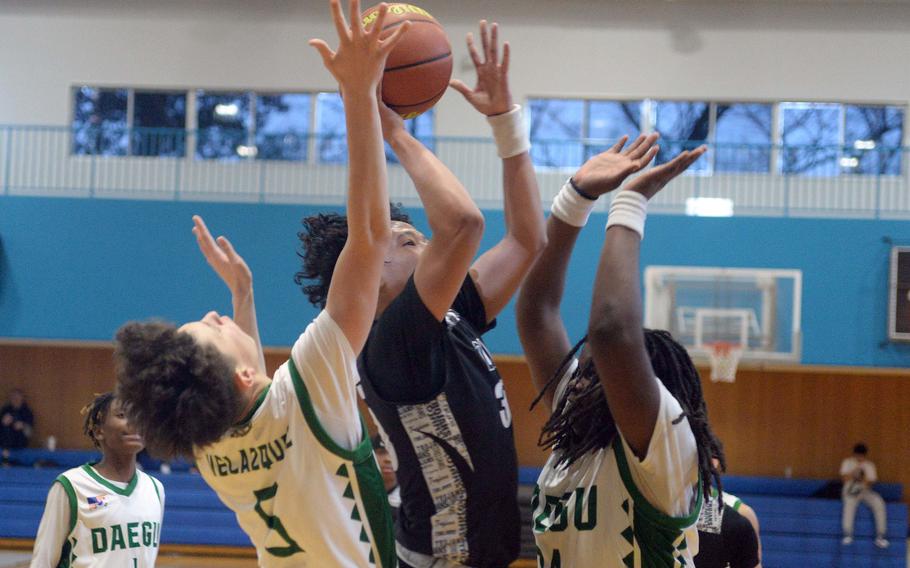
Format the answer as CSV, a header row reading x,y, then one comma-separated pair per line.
x,y
358,454
642,505
71,496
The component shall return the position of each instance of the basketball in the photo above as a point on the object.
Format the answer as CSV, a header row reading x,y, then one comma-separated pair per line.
x,y
418,70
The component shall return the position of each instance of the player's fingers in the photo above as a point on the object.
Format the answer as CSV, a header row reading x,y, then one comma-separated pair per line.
x,y
484,40
646,159
225,245
494,44
619,143
379,22
389,43
341,27
460,87
635,144
354,11
472,50
642,148
506,56
324,51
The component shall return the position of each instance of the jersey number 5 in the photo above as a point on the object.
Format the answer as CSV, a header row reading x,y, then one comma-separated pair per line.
x,y
274,523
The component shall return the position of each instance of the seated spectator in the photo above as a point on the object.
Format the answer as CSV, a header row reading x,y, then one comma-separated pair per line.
x,y
389,478
858,474
16,422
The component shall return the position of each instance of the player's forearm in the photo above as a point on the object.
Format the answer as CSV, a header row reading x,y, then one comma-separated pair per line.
x,y
521,204
367,204
448,206
543,288
244,307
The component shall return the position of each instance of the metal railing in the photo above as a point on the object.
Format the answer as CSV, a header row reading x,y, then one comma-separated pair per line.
x,y
220,165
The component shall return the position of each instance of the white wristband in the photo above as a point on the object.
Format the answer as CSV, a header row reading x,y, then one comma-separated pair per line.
x,y
629,209
570,207
510,133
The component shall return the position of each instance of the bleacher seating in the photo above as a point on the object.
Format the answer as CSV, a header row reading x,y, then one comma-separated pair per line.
x,y
193,513
799,529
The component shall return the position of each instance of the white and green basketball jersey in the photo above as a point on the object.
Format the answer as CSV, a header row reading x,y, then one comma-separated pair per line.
x,y
303,500
593,514
111,526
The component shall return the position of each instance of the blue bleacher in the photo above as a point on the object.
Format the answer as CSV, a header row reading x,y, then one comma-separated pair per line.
x,y
193,514
798,530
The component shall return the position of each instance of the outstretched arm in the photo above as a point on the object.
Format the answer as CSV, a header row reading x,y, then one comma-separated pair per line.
x,y
235,273
499,272
543,335
455,220
357,65
615,332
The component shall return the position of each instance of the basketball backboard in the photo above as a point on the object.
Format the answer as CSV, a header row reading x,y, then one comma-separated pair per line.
x,y
756,308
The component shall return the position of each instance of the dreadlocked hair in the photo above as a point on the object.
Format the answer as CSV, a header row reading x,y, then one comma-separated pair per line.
x,y
323,236
585,424
95,414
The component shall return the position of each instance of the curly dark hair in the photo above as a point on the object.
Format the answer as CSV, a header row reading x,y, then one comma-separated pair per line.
x,y
323,236
177,393
588,425
95,414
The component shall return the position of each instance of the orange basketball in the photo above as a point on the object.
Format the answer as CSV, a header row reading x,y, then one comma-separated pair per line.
x,y
418,70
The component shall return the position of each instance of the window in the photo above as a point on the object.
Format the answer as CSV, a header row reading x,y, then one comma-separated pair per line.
x,y
610,120
282,126
683,126
100,121
828,139
811,135
159,124
872,140
565,132
742,134
556,132
331,132
223,121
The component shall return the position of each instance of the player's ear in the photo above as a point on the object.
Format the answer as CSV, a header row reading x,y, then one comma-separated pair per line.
x,y
243,378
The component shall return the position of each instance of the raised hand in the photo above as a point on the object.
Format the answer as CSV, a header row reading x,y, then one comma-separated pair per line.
x,y
223,259
653,180
358,62
491,95
606,171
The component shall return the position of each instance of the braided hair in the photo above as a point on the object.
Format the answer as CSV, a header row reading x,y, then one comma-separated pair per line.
x,y
584,423
323,237
95,414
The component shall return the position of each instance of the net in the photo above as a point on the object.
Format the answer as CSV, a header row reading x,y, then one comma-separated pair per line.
x,y
724,360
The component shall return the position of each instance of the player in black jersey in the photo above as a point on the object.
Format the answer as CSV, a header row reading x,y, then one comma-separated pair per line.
x,y
426,374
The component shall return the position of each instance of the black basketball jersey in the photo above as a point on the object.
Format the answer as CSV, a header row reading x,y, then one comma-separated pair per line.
x,y
729,542
435,391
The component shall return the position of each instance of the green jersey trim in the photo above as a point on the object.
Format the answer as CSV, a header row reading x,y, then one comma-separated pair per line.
x,y
126,491
378,516
259,400
642,505
155,485
359,454
71,496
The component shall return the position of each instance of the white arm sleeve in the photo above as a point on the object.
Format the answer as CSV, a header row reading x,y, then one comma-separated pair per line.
x,y
847,466
668,476
871,472
328,367
53,530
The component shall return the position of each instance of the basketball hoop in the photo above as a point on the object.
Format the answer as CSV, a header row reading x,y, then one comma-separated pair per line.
x,y
724,360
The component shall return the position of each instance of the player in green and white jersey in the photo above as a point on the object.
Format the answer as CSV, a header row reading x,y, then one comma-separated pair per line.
x,y
631,447
288,454
105,514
